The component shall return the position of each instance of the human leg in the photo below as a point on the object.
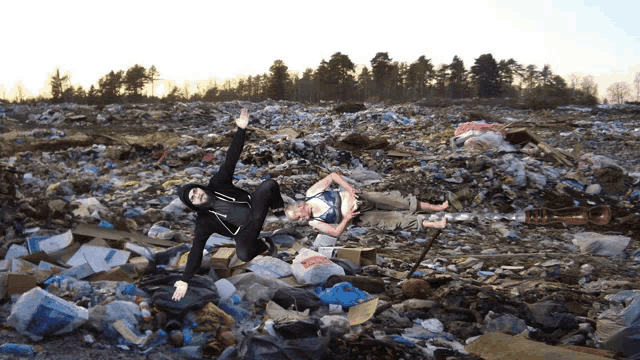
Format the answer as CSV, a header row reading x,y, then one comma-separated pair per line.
x,y
391,200
394,200
267,196
432,207
392,220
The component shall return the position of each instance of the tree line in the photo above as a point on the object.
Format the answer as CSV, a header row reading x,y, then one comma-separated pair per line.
x,y
338,80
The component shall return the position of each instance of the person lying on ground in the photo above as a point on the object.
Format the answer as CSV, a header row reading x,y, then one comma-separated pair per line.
x,y
228,210
331,211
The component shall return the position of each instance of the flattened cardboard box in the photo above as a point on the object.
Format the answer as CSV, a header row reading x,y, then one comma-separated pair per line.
x,y
3,284
223,257
358,256
19,283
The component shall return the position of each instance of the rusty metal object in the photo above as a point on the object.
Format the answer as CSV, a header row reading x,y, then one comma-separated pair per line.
x,y
576,215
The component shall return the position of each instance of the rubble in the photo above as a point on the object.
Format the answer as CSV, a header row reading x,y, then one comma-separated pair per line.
x,y
90,220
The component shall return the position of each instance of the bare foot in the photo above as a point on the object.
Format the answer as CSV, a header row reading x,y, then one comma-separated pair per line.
x,y
427,206
435,224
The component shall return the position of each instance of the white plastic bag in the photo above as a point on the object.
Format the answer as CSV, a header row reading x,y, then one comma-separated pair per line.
x,y
270,267
598,244
310,267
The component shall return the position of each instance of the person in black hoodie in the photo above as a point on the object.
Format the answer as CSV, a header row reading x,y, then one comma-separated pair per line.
x,y
230,211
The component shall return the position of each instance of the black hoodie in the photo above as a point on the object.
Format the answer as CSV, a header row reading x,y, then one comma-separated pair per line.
x,y
208,221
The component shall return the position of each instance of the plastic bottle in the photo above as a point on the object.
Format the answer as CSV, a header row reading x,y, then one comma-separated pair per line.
x,y
576,215
238,313
17,349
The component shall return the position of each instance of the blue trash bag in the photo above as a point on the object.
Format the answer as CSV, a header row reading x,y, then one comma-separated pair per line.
x,y
344,294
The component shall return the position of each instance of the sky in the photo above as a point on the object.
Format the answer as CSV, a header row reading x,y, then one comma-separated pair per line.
x,y
194,41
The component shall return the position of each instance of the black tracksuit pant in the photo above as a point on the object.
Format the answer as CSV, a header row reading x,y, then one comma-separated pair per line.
x,y
266,196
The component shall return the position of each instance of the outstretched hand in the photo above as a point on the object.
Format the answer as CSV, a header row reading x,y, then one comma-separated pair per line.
x,y
243,120
181,289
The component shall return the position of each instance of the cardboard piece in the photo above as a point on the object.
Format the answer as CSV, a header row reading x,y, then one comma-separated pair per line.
x,y
499,346
223,257
20,283
588,350
139,263
3,285
88,253
115,274
362,312
96,232
39,257
395,153
523,136
98,242
49,244
358,256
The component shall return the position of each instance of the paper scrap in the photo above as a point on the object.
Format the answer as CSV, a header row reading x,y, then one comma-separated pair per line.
x,y
362,312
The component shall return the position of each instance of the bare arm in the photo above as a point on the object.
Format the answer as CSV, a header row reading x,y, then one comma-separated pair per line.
x,y
334,230
324,183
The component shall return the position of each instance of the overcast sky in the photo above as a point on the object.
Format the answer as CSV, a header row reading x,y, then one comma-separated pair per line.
x,y
198,40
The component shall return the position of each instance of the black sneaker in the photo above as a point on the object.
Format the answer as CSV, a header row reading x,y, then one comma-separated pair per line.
x,y
272,248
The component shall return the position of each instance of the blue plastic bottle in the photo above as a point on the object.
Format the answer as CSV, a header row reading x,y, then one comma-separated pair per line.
x,y
237,312
17,349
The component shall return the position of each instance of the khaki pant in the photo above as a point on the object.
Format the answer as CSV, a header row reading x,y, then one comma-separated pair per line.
x,y
382,210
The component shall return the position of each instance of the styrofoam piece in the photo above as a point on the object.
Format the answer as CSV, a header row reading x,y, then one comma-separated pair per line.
x,y
38,313
113,257
49,244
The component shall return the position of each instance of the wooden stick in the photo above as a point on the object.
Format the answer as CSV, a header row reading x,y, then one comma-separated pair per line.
x,y
424,253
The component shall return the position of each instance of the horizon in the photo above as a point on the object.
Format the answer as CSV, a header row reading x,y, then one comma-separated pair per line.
x,y
571,36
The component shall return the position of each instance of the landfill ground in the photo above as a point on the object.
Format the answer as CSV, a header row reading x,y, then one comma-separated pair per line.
x,y
132,158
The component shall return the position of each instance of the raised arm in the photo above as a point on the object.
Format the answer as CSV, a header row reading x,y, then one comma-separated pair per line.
x,y
324,183
225,174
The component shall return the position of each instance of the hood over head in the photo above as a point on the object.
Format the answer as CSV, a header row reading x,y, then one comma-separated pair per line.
x,y
183,194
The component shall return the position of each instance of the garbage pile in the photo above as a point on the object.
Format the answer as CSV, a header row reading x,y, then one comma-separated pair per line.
x,y
93,235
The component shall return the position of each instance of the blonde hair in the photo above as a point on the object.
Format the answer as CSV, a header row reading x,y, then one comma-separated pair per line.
x,y
289,210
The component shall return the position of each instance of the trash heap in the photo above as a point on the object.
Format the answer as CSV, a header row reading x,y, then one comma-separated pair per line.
x,y
93,235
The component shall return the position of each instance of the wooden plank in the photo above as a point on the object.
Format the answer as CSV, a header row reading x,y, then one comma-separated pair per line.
x,y
93,231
